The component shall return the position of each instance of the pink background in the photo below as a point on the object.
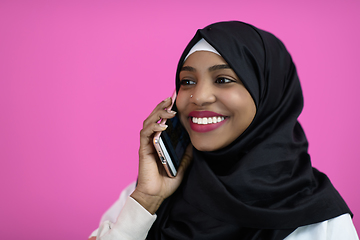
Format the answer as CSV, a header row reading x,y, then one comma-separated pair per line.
x,y
77,78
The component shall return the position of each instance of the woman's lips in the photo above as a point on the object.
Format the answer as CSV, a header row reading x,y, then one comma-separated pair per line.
x,y
205,121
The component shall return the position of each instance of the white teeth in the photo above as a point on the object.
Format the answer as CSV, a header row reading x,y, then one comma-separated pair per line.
x,y
214,119
209,120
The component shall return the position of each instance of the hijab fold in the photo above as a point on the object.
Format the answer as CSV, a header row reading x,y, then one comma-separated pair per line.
x,y
261,186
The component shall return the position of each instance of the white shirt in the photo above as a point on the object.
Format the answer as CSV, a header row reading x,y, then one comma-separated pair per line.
x,y
126,219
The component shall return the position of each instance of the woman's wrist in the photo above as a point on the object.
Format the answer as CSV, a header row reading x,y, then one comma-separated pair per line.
x,y
149,202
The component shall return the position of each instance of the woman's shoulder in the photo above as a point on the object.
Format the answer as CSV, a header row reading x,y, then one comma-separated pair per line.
x,y
340,227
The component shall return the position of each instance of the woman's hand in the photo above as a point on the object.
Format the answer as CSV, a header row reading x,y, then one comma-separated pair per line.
x,y
153,183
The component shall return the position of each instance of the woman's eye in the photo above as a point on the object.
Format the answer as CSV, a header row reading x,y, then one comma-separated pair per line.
x,y
186,82
223,80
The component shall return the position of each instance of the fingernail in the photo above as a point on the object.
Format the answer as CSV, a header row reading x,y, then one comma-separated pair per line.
x,y
172,112
167,99
163,125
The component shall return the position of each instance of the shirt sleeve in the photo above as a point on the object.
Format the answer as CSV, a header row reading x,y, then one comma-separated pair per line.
x,y
126,219
337,228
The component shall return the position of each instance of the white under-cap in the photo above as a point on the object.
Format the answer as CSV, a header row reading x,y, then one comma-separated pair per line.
x,y
202,45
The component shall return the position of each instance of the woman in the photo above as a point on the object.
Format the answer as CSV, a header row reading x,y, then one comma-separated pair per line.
x,y
251,176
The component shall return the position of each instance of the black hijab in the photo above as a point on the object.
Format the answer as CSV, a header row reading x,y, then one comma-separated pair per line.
x,y
261,186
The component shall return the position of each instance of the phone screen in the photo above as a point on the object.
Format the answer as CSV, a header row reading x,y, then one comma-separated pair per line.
x,y
176,139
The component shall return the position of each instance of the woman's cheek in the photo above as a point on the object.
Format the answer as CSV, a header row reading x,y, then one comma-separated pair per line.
x,y
180,102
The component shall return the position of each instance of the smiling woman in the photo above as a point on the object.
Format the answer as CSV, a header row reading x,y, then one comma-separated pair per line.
x,y
210,89
248,175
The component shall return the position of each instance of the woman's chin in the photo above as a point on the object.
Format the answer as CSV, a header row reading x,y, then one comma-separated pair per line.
x,y
205,147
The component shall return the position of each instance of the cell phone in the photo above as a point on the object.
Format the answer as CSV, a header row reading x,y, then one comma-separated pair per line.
x,y
171,143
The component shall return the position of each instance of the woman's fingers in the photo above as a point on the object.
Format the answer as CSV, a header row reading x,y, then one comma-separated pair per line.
x,y
151,125
163,104
159,112
149,131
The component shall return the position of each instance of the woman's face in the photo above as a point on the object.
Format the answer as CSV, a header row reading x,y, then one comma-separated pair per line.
x,y
213,104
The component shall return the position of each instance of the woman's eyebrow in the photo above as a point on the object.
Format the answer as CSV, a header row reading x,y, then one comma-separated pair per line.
x,y
212,68
221,66
188,68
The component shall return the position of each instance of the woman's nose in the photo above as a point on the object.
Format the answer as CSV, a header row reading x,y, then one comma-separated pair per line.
x,y
203,94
